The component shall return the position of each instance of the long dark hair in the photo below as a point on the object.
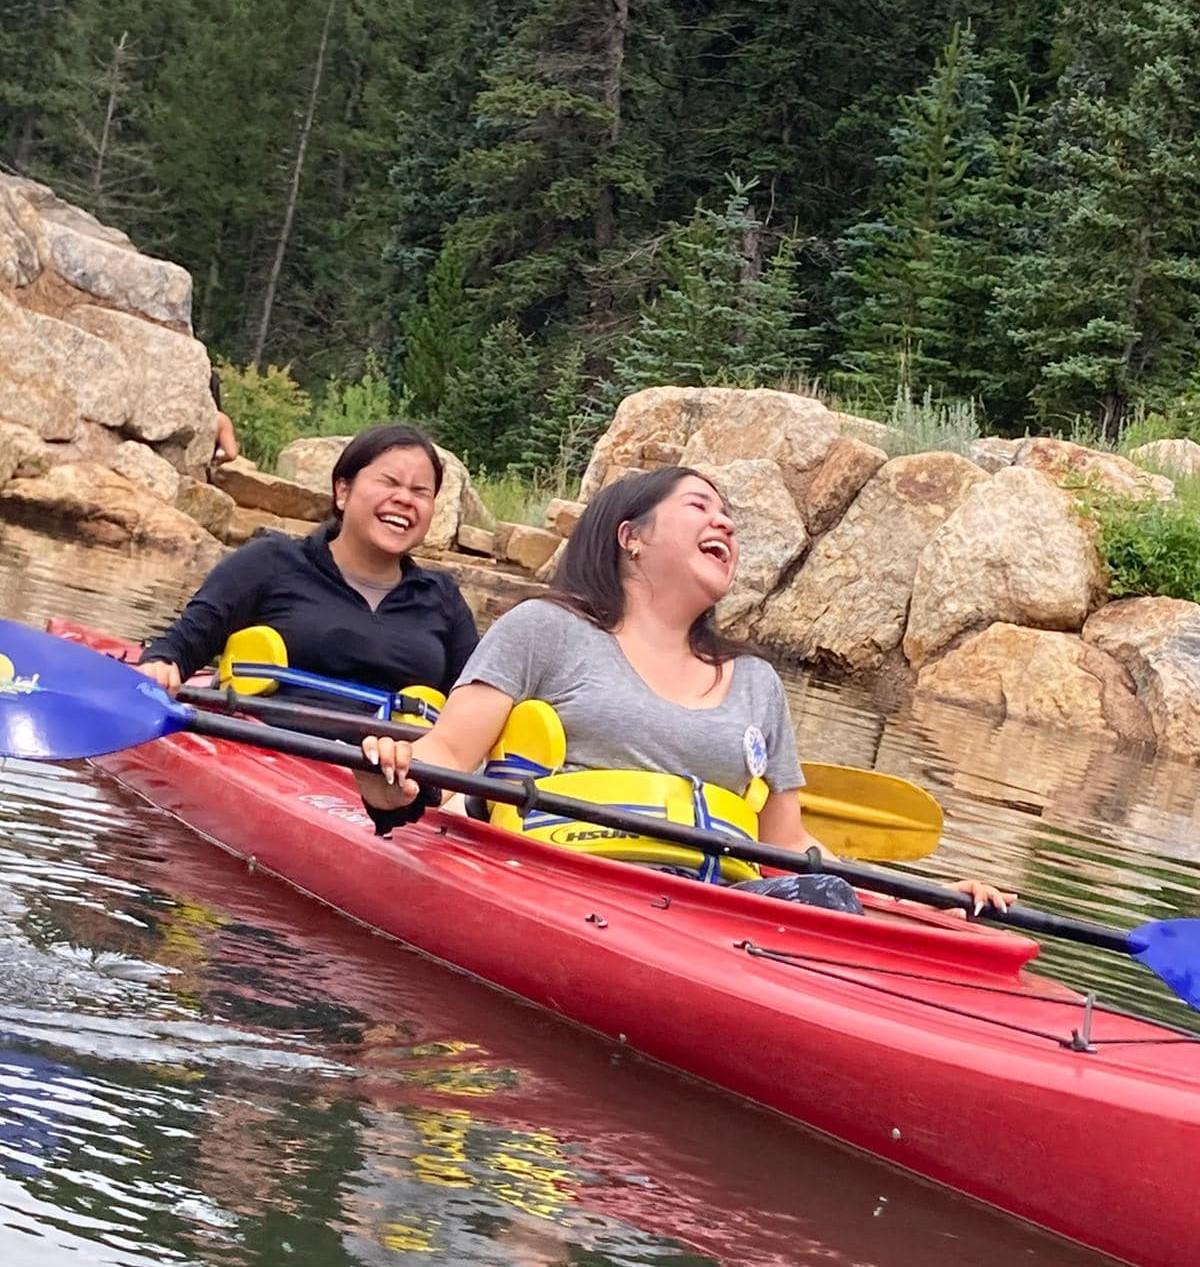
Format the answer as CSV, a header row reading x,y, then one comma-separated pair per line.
x,y
588,578
366,447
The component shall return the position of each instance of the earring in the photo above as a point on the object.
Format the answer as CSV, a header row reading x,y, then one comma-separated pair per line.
x,y
634,551
341,505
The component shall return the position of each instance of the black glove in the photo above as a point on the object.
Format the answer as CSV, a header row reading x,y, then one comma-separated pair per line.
x,y
385,819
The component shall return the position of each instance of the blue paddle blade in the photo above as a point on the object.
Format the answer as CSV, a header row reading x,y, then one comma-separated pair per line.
x,y
60,700
1170,948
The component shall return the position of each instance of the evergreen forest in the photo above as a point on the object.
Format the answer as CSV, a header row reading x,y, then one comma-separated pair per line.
x,y
499,218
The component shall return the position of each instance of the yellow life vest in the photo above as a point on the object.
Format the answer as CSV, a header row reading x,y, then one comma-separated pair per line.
x,y
534,743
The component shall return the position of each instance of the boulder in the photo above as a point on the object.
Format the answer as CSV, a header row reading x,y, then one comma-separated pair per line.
x,y
114,271
34,392
795,432
651,426
98,505
771,533
169,376
545,574
211,508
529,547
848,464
869,431
29,453
1158,642
616,473
1039,676
253,489
141,465
1075,468
992,453
847,604
1177,457
1013,551
476,540
246,522
96,371
22,242
310,460
562,515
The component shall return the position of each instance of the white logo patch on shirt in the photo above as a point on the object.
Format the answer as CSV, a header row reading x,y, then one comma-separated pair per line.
x,y
754,745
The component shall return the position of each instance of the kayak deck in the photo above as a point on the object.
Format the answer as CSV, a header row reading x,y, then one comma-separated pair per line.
x,y
917,1037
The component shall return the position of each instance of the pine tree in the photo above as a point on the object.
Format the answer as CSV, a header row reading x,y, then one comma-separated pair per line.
x,y
910,273
559,438
438,336
1102,305
568,156
717,319
488,403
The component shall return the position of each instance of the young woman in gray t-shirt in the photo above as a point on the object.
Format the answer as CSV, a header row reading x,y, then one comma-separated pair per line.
x,y
625,648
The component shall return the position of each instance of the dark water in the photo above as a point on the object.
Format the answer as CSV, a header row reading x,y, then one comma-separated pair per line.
x,y
199,1066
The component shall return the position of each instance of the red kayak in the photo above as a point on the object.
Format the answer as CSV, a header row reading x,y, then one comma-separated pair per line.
x,y
920,1039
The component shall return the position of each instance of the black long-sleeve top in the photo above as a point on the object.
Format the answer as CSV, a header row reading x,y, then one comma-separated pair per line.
x,y
422,633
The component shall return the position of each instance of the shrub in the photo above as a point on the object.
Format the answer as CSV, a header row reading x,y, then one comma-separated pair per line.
x,y
343,409
1151,548
268,409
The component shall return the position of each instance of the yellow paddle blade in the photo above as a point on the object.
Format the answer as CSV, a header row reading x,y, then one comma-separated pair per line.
x,y
257,644
868,815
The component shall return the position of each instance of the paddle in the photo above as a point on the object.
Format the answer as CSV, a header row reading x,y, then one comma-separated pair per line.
x,y
855,813
60,700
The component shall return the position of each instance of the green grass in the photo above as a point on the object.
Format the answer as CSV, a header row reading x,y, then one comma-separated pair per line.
x,y
516,499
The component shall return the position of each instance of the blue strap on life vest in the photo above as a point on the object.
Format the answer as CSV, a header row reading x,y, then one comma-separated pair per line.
x,y
710,868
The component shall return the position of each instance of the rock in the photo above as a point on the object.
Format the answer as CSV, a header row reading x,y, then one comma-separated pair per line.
x,y
22,243
1158,642
33,390
246,522
563,515
656,454
670,416
1038,676
30,453
795,432
867,430
141,465
530,547
1074,468
253,489
169,376
992,453
615,474
545,573
1013,551
1178,457
211,508
95,371
310,460
102,506
847,604
93,444
770,532
476,540
848,464
115,272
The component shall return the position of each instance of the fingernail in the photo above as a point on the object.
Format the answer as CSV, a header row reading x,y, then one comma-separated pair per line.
x,y
978,906
373,757
390,775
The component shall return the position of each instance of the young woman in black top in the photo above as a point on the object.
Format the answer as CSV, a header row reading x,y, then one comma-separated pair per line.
x,y
348,600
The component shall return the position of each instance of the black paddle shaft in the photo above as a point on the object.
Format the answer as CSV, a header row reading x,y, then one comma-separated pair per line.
x,y
526,796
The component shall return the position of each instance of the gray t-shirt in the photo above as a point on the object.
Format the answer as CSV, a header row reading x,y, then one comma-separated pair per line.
x,y
614,721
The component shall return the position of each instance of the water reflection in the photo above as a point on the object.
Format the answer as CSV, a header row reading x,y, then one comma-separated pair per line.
x,y
199,1066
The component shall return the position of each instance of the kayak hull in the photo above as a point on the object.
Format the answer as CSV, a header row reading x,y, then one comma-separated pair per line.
x,y
919,1039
